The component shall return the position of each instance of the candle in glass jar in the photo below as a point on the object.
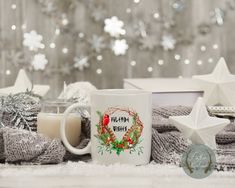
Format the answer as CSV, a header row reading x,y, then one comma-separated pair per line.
x,y
49,125
49,119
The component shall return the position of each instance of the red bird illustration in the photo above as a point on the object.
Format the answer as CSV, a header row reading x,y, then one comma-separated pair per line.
x,y
105,119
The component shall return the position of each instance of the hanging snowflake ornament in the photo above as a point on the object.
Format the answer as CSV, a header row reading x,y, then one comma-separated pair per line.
x,y
141,29
178,5
98,13
149,42
168,42
18,58
49,8
33,41
120,47
66,69
217,16
39,62
97,43
204,28
114,26
81,62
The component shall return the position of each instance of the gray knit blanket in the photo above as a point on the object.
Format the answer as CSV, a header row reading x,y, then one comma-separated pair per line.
x,y
168,144
26,147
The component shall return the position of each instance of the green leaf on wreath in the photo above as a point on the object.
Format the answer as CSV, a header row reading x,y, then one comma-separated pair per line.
x,y
100,114
98,127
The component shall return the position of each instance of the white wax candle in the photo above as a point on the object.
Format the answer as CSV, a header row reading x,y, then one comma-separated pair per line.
x,y
49,125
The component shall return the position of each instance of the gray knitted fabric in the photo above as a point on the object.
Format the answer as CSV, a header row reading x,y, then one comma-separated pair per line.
x,y
227,136
19,145
168,143
22,146
160,117
168,147
226,148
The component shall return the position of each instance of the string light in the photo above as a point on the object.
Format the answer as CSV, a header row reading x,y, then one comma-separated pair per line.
x,y
186,61
65,50
52,45
57,31
150,69
210,60
133,63
13,27
160,62
13,6
42,46
203,48
215,46
199,62
128,10
8,72
65,21
177,57
23,26
99,57
99,71
156,15
81,35
136,1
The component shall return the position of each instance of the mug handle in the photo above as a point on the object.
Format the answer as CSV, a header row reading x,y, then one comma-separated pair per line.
x,y
72,149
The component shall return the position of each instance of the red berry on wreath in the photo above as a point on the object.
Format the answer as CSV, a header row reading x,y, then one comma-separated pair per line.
x,y
102,130
130,140
106,119
108,140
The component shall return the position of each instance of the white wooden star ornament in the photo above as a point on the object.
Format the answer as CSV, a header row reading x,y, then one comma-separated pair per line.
x,y
198,126
23,83
219,86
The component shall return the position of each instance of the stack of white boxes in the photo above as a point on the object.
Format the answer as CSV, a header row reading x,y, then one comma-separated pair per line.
x,y
168,91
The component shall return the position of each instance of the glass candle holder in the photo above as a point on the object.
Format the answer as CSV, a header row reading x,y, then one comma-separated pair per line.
x,y
48,121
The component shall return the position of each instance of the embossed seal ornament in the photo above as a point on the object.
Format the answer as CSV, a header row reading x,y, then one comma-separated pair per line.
x,y
198,161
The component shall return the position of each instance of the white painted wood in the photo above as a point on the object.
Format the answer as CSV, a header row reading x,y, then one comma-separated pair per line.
x,y
116,68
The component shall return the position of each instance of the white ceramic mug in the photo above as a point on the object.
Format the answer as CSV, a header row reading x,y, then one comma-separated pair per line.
x,y
121,125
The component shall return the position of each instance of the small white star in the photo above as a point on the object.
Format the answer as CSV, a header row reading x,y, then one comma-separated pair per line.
x,y
22,84
198,126
219,86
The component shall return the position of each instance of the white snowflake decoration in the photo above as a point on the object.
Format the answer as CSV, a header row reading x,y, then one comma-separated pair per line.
x,y
39,62
218,16
81,63
114,26
168,42
120,47
33,41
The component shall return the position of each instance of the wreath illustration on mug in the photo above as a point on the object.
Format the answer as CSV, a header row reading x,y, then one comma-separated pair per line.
x,y
130,141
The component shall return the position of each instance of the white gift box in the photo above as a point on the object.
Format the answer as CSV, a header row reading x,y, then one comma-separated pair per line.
x,y
168,91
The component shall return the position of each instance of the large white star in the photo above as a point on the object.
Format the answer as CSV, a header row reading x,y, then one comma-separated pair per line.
x,y
198,126
219,86
23,83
